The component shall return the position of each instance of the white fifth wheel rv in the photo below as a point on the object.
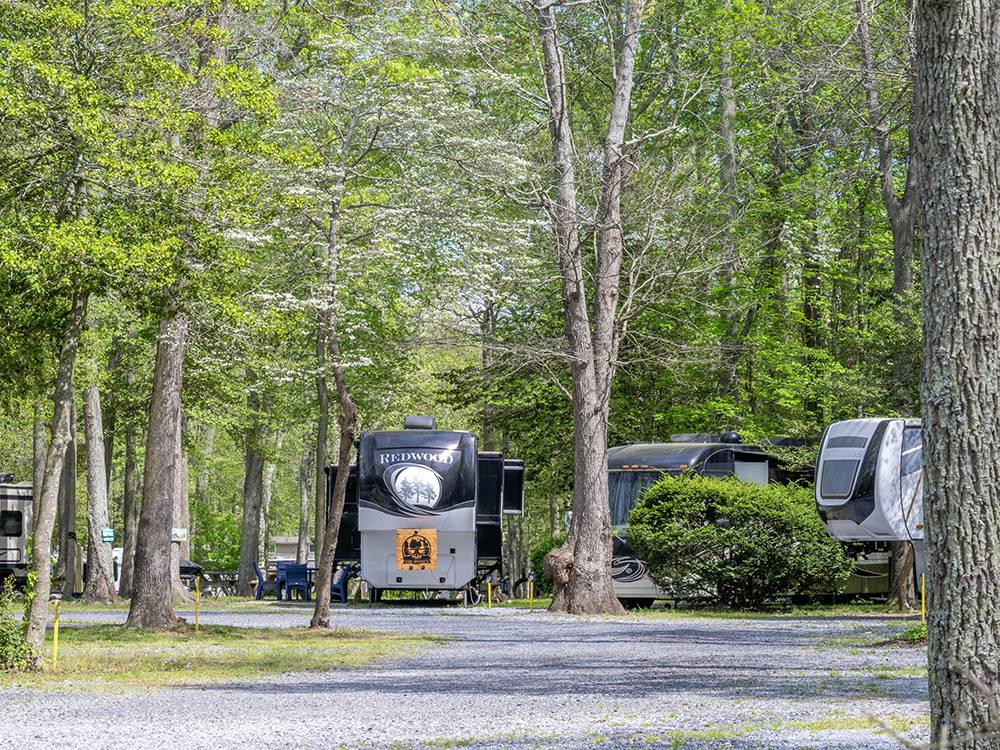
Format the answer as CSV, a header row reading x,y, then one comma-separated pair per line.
x,y
869,481
15,528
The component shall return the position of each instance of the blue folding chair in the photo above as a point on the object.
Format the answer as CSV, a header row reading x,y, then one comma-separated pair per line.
x,y
343,576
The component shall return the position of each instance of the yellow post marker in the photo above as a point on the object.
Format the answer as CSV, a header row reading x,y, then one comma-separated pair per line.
x,y
489,594
531,596
55,636
197,602
923,599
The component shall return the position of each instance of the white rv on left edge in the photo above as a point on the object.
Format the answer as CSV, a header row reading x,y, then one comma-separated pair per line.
x,y
15,528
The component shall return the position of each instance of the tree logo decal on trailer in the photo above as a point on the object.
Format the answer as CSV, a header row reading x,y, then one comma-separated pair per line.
x,y
415,485
416,549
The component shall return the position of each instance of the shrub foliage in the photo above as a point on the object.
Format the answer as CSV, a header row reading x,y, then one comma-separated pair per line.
x,y
737,543
16,654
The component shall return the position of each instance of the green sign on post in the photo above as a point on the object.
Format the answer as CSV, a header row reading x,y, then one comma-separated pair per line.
x,y
108,535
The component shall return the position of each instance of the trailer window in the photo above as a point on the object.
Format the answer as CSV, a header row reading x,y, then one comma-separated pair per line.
x,y
11,523
847,441
719,464
913,451
838,477
624,490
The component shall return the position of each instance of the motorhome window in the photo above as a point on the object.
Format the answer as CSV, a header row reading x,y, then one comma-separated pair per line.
x,y
913,451
847,441
838,477
719,464
11,523
624,490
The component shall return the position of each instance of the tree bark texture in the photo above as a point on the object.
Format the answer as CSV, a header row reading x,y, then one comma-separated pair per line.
x,y
958,97
253,481
305,496
152,606
100,567
38,445
130,509
180,549
54,458
66,562
322,436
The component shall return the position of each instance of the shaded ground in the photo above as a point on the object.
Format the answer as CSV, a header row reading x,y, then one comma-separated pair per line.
x,y
510,679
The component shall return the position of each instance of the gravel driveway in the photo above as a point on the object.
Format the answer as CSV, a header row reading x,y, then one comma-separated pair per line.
x,y
511,679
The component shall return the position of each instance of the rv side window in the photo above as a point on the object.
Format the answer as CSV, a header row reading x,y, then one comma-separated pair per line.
x,y
719,464
837,477
913,451
624,490
11,523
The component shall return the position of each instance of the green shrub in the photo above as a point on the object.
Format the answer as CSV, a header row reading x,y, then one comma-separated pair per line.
x,y
538,553
16,654
737,543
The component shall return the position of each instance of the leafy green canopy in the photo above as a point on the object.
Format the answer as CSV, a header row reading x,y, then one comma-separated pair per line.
x,y
740,544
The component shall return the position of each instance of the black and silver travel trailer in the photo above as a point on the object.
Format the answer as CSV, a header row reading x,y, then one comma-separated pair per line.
x,y
633,468
424,508
869,477
15,528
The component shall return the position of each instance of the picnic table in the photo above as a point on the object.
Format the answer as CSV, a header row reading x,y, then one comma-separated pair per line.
x,y
219,582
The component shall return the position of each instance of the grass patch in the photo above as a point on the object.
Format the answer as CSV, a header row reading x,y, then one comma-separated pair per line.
x,y
109,656
541,602
208,604
916,636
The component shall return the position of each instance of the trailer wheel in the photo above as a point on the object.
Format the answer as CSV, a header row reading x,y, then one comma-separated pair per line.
x,y
636,603
374,595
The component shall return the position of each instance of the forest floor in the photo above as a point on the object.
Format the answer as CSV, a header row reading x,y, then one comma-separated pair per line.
x,y
507,678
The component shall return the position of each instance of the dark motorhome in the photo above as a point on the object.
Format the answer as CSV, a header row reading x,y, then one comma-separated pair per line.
x,y
633,468
868,483
424,508
15,528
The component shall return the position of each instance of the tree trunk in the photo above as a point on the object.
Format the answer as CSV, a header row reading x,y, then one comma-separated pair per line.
x,y
111,415
100,567
727,172
203,480
180,549
322,435
66,563
54,458
151,599
902,591
593,351
39,446
253,480
267,486
348,413
958,54
130,508
901,223
305,495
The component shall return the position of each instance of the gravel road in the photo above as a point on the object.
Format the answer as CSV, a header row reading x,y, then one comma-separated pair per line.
x,y
512,679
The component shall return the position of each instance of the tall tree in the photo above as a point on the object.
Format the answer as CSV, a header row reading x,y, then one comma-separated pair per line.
x,y
100,585
958,141
584,562
900,210
61,416
151,606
